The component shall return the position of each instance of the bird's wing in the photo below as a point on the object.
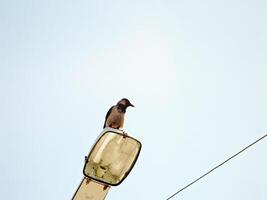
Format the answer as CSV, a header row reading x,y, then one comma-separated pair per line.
x,y
108,113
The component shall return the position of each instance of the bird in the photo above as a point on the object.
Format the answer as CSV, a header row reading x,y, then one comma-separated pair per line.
x,y
115,115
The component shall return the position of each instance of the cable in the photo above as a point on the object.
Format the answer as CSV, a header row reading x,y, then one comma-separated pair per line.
x,y
215,167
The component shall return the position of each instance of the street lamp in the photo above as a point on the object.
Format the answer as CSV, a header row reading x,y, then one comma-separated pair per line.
x,y
109,162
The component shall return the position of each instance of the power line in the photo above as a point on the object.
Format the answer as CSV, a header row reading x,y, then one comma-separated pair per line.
x,y
188,185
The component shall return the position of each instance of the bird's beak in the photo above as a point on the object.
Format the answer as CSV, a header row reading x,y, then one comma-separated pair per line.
x,y
131,105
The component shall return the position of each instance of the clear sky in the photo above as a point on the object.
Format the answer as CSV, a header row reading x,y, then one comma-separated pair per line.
x,y
196,72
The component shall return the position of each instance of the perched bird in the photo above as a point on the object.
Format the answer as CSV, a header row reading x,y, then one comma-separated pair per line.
x,y
115,115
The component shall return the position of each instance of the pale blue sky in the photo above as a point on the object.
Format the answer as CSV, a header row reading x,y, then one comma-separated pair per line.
x,y
195,70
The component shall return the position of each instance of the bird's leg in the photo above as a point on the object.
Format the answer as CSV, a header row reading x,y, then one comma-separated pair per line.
x,y
124,134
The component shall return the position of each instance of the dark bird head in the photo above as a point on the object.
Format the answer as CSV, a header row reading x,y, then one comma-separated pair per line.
x,y
125,103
